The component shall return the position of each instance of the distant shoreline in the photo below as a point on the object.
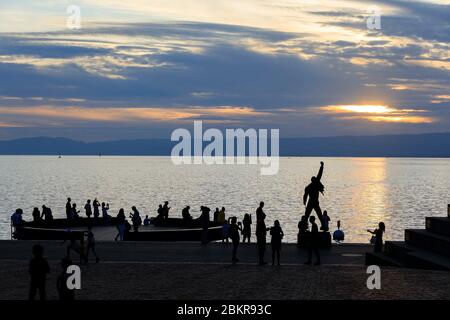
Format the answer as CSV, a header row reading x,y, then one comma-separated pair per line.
x,y
430,145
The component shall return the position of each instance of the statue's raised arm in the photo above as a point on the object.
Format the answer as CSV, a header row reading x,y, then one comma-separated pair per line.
x,y
319,175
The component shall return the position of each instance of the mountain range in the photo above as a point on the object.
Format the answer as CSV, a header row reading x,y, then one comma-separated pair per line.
x,y
404,145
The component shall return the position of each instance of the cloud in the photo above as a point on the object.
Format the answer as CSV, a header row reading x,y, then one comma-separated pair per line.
x,y
284,64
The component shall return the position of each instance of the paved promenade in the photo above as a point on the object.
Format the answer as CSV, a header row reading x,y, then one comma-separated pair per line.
x,y
191,271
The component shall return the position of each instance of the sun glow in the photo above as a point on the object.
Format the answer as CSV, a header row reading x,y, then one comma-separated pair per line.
x,y
363,109
377,113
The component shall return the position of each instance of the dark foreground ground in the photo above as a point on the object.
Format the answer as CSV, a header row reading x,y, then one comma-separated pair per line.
x,y
190,271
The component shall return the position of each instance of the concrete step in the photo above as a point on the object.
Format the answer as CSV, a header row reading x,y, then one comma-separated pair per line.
x,y
428,241
381,259
438,225
414,257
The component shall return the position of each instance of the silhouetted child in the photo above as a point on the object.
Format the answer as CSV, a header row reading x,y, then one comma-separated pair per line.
x,y
378,233
146,221
225,228
277,235
247,229
233,233
91,245
325,221
38,270
64,293
313,242
338,235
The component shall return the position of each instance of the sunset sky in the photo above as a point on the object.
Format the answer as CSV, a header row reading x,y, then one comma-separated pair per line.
x,y
139,69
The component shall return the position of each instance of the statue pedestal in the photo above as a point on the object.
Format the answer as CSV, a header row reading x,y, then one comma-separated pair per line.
x,y
324,241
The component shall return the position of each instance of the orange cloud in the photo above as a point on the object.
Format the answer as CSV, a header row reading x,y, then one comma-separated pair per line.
x,y
130,114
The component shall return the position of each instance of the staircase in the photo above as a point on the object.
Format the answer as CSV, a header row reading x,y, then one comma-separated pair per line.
x,y
422,249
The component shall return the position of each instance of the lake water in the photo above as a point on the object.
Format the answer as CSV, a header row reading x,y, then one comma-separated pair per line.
x,y
358,191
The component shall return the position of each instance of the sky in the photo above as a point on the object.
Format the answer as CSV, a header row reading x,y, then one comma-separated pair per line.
x,y
140,69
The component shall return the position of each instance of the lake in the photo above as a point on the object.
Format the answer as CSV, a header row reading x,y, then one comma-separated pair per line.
x,y
358,191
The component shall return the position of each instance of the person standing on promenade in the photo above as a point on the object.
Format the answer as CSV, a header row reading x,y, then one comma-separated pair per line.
x,y
91,245
247,229
225,231
277,235
234,235
165,210
88,208
69,209
261,232
204,219
216,215
313,242
135,218
106,217
64,293
36,215
312,192
120,224
325,221
38,270
221,216
96,205
16,218
378,233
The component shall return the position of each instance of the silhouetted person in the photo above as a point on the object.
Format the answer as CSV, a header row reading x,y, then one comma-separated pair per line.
x,y
325,221
75,212
338,235
233,233
96,205
160,212
378,233
135,219
185,213
47,214
303,225
204,219
225,231
64,293
91,245
16,218
221,215
277,235
74,246
120,224
88,209
38,270
146,221
36,215
313,245
69,209
312,191
216,215
105,215
247,229
166,209
261,232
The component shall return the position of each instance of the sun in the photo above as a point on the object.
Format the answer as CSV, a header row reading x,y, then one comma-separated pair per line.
x,y
378,109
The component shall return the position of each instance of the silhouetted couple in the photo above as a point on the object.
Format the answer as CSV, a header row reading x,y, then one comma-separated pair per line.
x,y
311,196
163,210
